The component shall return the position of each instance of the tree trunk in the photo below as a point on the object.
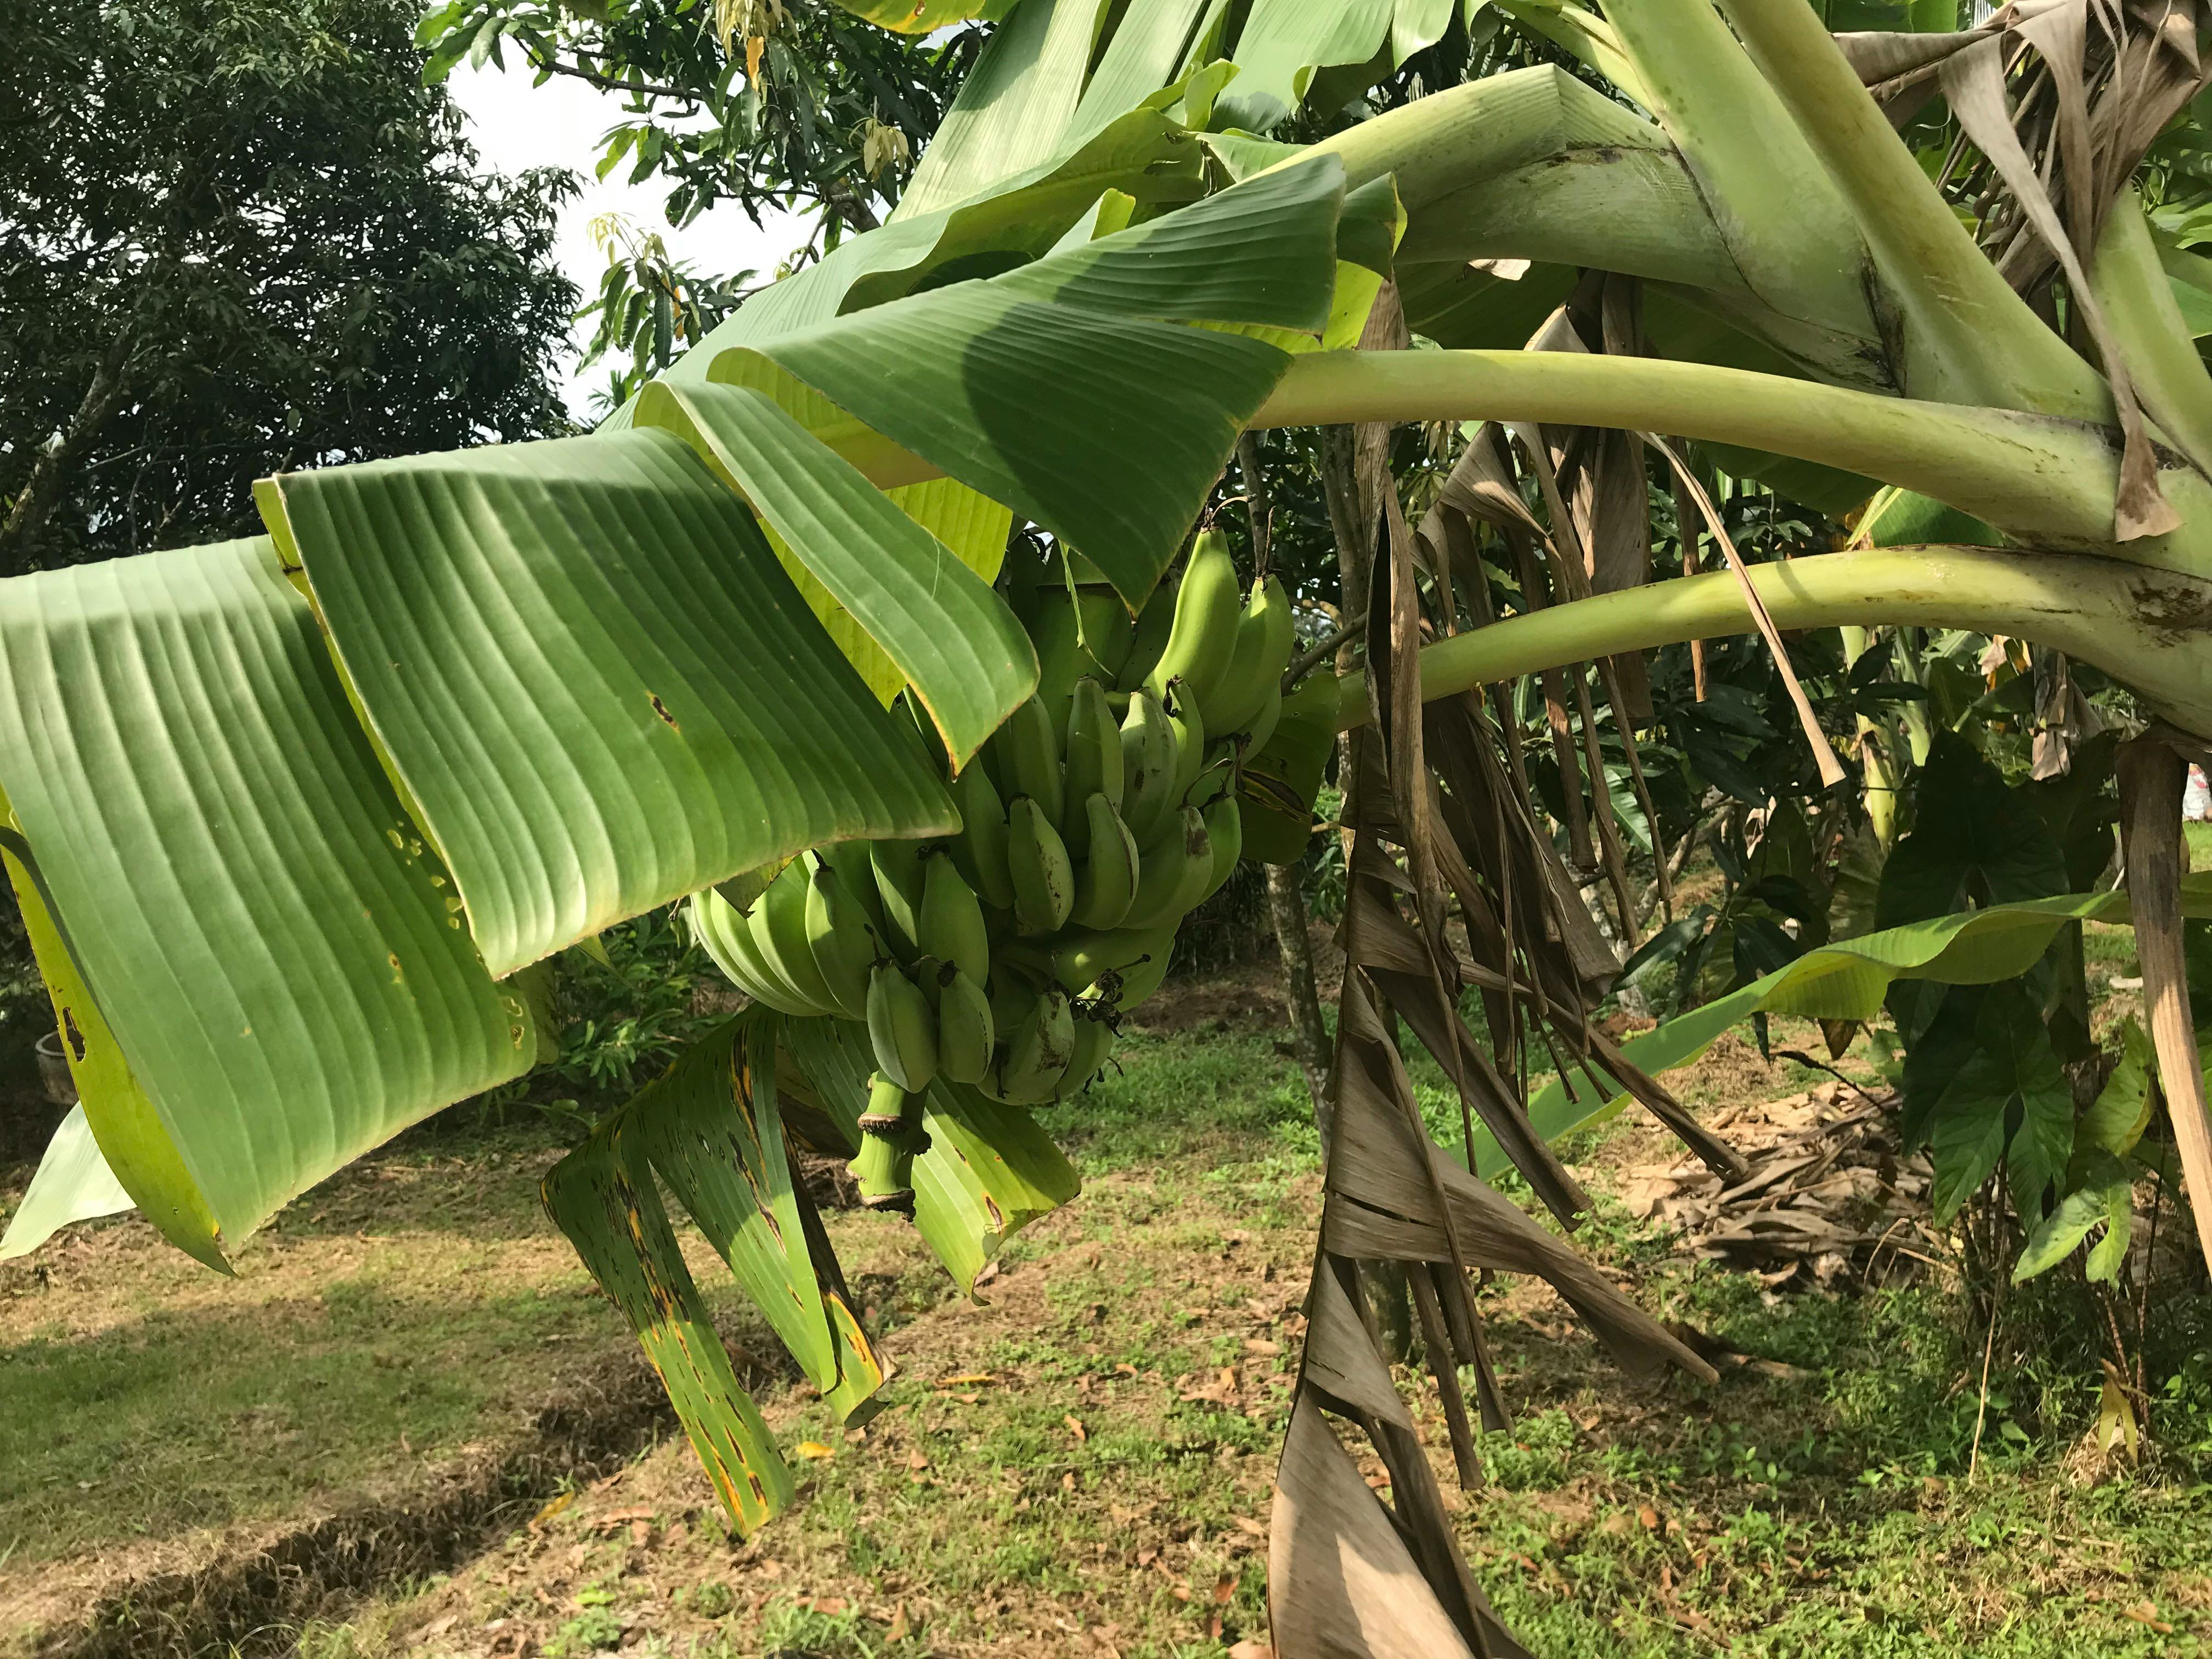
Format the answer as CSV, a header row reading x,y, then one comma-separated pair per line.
x,y
1309,1043
1286,899
43,489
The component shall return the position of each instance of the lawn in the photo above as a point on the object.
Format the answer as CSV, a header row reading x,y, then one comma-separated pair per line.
x,y
1082,1464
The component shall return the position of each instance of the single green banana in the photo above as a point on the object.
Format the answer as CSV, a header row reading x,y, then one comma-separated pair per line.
x,y
980,849
779,931
902,1028
1148,760
849,858
1044,877
1150,638
1172,874
1263,651
1188,726
1224,832
1136,982
844,945
966,1032
1094,762
721,930
1262,725
1094,1043
897,865
1077,959
1056,633
1107,881
1208,606
1012,998
950,925
1029,758
1038,1052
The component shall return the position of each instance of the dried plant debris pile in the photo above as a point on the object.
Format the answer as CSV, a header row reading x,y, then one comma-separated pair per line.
x,y
1829,1199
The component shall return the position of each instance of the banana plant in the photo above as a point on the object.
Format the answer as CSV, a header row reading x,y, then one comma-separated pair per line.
x,y
294,820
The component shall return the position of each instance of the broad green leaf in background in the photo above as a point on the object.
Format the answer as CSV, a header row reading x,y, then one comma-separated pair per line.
x,y
988,1171
1284,43
71,1183
2010,1100
1843,980
2105,1194
948,632
1972,838
712,1129
603,1196
1100,422
593,677
278,954
2116,1119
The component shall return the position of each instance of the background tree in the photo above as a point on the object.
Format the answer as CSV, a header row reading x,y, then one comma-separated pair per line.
x,y
237,237
771,104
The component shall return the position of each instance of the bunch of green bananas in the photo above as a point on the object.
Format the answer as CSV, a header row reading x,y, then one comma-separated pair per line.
x,y
1101,812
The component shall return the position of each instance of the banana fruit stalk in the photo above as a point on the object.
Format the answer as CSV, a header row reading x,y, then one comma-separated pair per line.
x,y
1003,958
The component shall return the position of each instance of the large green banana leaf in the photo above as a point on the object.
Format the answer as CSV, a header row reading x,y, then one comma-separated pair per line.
x,y
240,894
1014,107
1143,152
943,627
593,677
1843,981
1069,389
1151,49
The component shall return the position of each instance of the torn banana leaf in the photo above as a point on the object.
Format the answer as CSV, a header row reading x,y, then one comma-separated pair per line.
x,y
602,1196
713,1130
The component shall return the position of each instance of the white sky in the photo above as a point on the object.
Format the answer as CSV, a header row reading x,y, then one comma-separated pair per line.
x,y
515,125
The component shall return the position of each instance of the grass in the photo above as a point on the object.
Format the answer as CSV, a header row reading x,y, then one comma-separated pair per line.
x,y
1086,1459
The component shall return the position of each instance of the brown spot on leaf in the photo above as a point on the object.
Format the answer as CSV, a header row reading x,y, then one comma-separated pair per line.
x,y
75,1037
661,709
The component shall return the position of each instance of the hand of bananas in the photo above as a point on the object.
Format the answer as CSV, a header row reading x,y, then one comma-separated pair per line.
x,y
1102,811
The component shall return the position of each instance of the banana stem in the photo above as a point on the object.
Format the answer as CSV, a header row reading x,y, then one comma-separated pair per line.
x,y
2051,482
2148,628
1967,335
